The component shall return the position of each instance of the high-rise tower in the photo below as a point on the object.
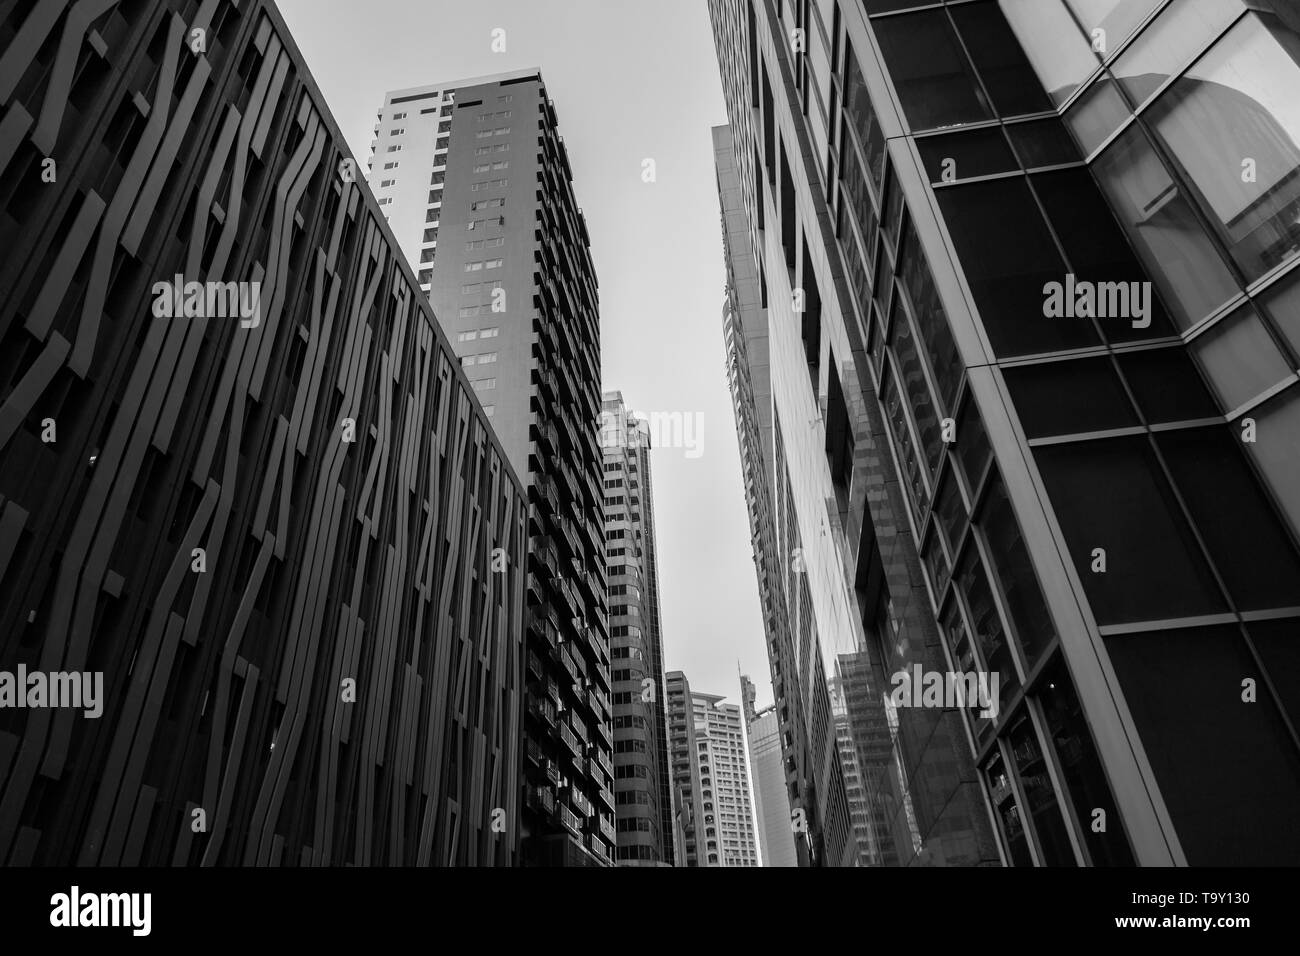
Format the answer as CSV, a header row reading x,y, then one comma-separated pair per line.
x,y
642,787
1030,273
475,180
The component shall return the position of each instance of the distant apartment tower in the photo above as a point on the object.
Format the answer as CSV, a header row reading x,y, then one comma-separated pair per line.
x,y
709,759
1031,271
767,769
642,786
476,183
286,538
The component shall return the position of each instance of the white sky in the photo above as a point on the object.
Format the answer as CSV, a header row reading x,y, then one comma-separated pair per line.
x,y
631,80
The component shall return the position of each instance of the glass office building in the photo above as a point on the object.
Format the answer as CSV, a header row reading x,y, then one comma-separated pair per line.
x,y
1047,251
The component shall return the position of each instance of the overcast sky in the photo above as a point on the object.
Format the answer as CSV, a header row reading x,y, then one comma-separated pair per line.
x,y
631,81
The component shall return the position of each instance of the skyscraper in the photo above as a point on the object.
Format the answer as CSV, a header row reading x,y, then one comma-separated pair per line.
x,y
1030,277
245,490
642,786
767,767
475,180
709,746
819,812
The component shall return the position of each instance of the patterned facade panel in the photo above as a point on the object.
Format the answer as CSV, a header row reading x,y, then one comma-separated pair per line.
x,y
242,480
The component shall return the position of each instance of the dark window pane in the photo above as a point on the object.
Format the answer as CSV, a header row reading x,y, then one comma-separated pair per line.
x,y
862,118
1043,143
1064,398
1007,274
1209,750
930,71
918,391
1040,795
1001,63
1067,730
1278,645
968,155
1240,528
1008,813
931,318
972,444
1015,572
1096,250
950,511
1166,385
1108,494
986,622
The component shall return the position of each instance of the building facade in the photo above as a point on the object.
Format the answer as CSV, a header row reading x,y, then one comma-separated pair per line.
x,y
479,193
814,778
768,776
1050,363
712,770
245,487
642,786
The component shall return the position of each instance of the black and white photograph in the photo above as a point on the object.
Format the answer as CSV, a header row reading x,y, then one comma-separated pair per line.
x,y
576,434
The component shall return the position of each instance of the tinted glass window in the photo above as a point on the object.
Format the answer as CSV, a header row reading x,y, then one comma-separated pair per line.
x,y
1007,75
1109,494
968,155
1063,398
1241,530
1008,276
933,78
1183,688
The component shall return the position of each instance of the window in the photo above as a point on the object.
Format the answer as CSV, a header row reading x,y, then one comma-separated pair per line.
x,y
390,165
397,132
1236,102
1166,232
1240,358
466,360
493,264
489,333
482,167
487,358
398,116
504,164
505,98
931,74
503,131
479,151
430,235
473,267
1139,525
1007,278
483,384
393,149
489,410
386,182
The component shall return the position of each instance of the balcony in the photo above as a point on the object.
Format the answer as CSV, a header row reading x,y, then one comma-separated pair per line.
x,y
568,818
535,664
553,772
598,847
541,708
607,829
580,803
570,740
541,799
606,798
